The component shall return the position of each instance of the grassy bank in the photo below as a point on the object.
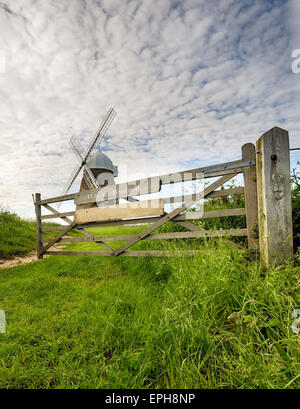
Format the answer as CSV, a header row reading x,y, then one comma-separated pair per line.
x,y
17,236
216,320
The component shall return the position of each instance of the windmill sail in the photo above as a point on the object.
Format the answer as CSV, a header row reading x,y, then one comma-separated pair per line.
x,y
84,158
100,133
76,147
90,179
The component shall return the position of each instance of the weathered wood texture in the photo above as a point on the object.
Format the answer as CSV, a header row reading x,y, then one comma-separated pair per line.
x,y
250,190
173,214
152,253
58,237
179,218
38,212
221,169
211,214
227,192
120,191
218,193
163,236
153,185
188,225
53,228
56,199
57,215
177,199
207,171
274,197
149,220
267,203
121,211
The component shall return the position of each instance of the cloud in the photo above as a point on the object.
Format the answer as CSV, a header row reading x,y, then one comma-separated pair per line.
x,y
293,17
191,82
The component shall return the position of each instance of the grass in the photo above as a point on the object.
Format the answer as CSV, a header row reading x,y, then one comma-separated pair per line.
x,y
17,236
216,320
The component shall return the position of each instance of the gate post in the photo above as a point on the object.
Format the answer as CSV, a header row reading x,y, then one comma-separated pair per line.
x,y
38,212
274,197
250,190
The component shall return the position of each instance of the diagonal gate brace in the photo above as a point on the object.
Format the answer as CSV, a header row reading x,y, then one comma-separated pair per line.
x,y
170,216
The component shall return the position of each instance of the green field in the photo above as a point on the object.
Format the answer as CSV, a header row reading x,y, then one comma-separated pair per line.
x,y
216,320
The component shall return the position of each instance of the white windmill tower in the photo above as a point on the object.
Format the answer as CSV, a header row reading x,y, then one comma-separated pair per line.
x,y
93,162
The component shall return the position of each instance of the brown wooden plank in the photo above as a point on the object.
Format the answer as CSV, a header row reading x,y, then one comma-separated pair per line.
x,y
152,253
56,199
145,220
212,213
274,197
198,234
188,225
120,211
173,214
226,168
53,228
88,235
76,240
105,246
77,253
219,193
181,217
143,186
120,191
227,192
57,215
160,236
160,253
57,238
91,238
209,171
38,213
248,153
51,209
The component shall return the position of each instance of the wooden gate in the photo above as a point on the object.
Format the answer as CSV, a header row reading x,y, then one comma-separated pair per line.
x,y
262,172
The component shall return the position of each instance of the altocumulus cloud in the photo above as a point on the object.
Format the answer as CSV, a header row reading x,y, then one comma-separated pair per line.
x,y
191,81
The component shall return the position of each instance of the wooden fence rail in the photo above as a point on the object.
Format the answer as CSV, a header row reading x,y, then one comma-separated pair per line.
x,y
267,207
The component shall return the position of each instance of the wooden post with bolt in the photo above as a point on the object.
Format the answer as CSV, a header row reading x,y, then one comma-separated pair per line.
x,y
250,190
274,197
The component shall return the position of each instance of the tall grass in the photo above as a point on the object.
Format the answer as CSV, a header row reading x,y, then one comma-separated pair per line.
x,y
17,236
216,320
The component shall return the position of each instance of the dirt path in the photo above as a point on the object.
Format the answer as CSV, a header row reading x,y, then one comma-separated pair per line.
x,y
16,261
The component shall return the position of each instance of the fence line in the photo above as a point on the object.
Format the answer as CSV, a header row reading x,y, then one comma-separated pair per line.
x,y
265,171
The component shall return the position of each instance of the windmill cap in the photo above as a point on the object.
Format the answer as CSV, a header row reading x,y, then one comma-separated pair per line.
x,y
100,161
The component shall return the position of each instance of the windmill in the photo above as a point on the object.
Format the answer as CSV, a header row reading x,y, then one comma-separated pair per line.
x,y
93,161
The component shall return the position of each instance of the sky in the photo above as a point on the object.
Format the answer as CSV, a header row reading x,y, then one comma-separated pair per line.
x,y
191,81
